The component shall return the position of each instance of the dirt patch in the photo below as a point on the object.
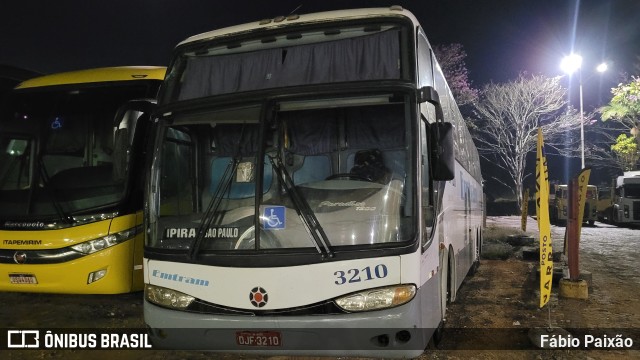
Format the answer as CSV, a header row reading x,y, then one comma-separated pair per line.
x,y
498,306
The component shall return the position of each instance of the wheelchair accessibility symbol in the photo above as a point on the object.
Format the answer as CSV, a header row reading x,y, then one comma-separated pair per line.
x,y
56,124
273,218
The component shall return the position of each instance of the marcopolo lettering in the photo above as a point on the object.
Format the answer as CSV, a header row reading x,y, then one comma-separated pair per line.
x,y
24,225
179,278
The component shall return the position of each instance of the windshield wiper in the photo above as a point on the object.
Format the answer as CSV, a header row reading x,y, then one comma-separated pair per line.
x,y
62,215
304,211
224,186
212,208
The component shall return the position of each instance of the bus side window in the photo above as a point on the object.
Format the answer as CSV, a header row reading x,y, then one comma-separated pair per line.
x,y
428,207
425,67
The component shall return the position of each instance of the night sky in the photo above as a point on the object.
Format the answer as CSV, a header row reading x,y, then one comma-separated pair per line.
x,y
501,37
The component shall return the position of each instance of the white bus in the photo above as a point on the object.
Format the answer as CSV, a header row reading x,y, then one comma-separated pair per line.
x,y
336,136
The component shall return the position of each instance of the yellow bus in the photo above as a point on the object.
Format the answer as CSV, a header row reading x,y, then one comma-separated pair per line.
x,y
71,181
559,206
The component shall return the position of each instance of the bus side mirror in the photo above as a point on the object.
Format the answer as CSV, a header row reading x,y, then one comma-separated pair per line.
x,y
442,151
120,156
428,94
125,125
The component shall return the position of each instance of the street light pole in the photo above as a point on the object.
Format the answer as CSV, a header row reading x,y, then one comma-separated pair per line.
x,y
581,117
570,64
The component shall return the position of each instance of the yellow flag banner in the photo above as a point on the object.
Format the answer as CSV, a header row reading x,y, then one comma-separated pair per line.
x,y
544,226
583,181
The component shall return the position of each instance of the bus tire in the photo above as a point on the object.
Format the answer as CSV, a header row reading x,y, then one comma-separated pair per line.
x,y
451,293
476,262
474,267
436,337
444,282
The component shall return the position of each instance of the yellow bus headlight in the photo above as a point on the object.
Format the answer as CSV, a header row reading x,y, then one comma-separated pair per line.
x,y
167,297
376,299
91,246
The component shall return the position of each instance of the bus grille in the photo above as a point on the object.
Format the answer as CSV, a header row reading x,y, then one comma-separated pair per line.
x,y
321,308
636,210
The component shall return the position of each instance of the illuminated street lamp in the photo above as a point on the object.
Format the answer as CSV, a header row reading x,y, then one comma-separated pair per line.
x,y
602,67
569,65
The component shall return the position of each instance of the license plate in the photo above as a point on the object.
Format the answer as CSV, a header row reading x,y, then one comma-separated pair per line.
x,y
258,338
22,279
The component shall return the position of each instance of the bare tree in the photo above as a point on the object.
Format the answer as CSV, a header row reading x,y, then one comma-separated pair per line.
x,y
509,115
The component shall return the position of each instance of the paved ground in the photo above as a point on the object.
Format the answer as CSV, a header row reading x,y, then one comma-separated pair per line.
x,y
495,308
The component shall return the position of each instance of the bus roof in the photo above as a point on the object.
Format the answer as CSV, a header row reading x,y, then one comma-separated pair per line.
x,y
119,73
313,18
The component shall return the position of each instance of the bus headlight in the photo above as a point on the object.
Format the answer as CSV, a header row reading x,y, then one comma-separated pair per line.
x,y
167,297
91,246
376,299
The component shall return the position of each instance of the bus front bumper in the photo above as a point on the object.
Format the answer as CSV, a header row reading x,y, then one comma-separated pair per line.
x,y
384,333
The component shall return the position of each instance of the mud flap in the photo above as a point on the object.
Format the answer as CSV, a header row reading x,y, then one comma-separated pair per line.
x,y
444,275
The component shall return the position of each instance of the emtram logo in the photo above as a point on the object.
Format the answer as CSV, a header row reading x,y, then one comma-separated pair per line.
x,y
258,297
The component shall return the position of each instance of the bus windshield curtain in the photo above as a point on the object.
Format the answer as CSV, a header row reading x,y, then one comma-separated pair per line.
x,y
376,127
312,132
371,57
236,139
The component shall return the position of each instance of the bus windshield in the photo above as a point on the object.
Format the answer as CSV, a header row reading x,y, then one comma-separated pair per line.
x,y
315,174
59,149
